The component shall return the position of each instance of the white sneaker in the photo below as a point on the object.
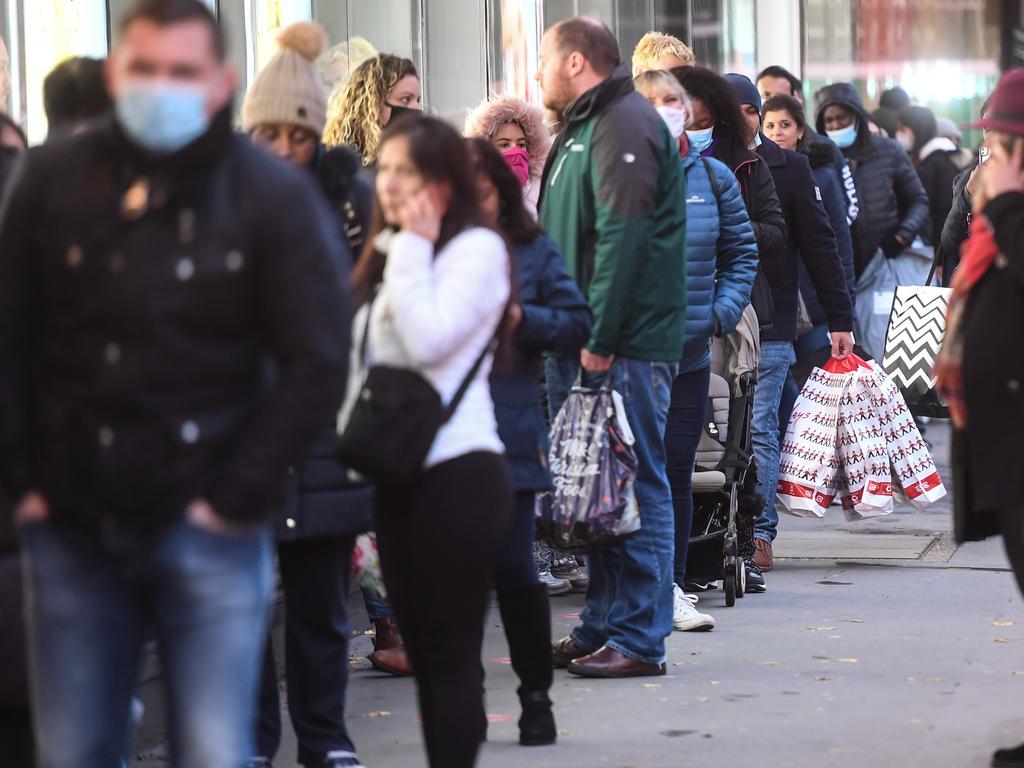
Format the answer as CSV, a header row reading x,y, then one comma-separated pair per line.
x,y
555,585
685,616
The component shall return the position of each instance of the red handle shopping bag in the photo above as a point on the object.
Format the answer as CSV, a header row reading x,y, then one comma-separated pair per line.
x,y
912,462
809,476
866,490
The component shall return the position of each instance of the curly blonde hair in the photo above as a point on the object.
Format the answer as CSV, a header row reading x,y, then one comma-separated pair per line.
x,y
353,110
653,46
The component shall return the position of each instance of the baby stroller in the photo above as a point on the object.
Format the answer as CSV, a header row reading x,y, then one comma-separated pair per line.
x,y
723,525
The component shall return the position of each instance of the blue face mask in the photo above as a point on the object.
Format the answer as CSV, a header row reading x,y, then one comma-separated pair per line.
x,y
701,140
161,116
844,137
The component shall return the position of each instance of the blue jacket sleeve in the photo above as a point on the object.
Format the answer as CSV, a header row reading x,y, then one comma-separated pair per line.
x,y
736,255
561,320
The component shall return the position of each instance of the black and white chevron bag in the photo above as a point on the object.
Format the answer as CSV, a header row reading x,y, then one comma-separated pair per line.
x,y
917,324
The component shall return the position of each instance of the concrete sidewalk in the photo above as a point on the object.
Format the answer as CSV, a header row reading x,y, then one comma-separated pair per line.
x,y
877,643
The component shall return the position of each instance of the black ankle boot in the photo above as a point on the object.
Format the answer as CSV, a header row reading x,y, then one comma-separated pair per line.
x,y
526,614
537,724
1009,758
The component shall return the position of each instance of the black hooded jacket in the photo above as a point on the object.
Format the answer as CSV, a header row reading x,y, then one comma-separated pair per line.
x,y
892,200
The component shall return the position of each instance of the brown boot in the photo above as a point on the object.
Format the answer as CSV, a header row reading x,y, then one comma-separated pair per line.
x,y
389,651
763,556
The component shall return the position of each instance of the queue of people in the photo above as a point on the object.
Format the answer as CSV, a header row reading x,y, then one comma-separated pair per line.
x,y
192,315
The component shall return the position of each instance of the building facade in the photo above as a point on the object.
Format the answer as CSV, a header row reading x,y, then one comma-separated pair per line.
x,y
944,52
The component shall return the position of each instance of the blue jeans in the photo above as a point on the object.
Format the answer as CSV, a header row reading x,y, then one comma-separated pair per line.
x,y
813,341
205,596
776,359
686,417
629,602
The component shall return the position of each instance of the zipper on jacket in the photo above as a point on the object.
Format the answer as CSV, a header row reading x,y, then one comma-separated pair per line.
x,y
565,156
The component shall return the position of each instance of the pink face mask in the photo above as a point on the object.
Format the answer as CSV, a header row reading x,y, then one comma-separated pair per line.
x,y
518,160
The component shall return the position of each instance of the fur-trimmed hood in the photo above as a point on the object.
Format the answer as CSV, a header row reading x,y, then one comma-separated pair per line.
x,y
484,121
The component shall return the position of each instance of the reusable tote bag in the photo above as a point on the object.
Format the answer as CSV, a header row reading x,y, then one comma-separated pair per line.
x,y
917,324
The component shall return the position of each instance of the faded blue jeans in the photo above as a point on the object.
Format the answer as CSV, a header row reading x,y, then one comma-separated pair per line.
x,y
776,359
206,597
629,602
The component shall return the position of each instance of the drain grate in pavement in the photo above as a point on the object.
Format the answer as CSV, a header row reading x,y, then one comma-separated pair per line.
x,y
829,545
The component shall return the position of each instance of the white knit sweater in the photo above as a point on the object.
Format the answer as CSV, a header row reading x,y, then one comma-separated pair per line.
x,y
435,316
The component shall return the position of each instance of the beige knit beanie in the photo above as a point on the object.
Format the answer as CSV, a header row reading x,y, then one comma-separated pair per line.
x,y
289,89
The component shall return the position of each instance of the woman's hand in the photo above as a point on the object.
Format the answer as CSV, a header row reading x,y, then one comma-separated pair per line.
x,y
1003,172
421,214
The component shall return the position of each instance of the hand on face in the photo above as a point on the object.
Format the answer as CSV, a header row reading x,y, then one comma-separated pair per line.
x,y
1003,173
421,214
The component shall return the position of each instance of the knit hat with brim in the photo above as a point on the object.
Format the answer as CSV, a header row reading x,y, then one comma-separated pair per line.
x,y
1006,105
289,88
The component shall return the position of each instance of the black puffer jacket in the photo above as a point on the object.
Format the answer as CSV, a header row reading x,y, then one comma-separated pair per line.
x,y
140,299
892,201
322,499
957,225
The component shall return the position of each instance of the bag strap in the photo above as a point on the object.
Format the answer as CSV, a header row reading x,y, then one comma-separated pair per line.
x,y
935,263
490,347
366,328
712,179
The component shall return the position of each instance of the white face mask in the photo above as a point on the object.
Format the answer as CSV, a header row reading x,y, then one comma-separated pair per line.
x,y
674,118
906,140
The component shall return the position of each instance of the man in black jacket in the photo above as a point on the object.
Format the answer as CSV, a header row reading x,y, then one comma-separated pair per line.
x,y
893,204
811,239
148,269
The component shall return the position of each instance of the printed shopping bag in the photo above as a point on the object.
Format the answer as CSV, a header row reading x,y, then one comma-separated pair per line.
x,y
594,466
916,327
809,462
866,488
912,462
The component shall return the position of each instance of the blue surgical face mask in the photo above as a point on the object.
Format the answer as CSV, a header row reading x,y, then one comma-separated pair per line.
x,y
701,140
844,137
162,116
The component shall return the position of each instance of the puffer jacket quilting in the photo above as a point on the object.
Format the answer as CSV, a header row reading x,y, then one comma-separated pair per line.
x,y
893,201
721,257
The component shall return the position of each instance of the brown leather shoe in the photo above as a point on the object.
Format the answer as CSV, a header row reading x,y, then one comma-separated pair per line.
x,y
606,662
389,651
565,651
763,557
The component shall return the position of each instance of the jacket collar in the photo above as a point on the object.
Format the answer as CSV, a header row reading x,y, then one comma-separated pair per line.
x,y
618,85
773,155
201,153
938,144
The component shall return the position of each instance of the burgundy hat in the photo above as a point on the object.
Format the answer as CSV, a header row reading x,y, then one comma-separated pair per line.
x,y
1006,108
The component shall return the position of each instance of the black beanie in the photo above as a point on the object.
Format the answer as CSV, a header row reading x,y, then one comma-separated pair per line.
x,y
745,90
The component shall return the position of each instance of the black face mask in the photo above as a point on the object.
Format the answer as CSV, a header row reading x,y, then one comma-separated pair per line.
x,y
398,112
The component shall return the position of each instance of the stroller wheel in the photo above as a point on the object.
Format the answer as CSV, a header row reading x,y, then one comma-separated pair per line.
x,y
730,583
741,577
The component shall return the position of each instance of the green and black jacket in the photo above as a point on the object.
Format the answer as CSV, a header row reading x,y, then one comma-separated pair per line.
x,y
613,198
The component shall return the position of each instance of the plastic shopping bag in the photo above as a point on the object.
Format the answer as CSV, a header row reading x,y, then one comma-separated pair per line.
x,y
594,467
809,477
863,451
912,462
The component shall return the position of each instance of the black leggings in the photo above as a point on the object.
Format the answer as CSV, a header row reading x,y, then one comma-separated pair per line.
x,y
454,517
517,567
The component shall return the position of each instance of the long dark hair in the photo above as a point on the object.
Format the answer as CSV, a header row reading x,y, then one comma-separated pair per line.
x,y
441,156
515,221
717,95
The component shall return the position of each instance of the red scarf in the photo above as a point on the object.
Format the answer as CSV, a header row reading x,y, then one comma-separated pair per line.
x,y
979,254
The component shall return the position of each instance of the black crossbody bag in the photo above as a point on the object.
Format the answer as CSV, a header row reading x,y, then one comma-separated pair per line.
x,y
395,419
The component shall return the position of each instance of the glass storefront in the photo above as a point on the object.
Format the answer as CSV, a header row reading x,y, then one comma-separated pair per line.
x,y
944,54
465,49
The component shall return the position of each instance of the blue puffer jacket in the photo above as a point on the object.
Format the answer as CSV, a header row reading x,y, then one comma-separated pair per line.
x,y
721,257
555,319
